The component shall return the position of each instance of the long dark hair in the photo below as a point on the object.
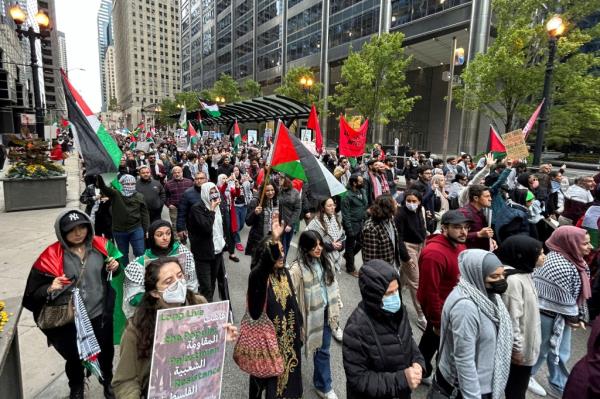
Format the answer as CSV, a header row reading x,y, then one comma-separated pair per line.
x,y
321,215
308,240
275,200
144,318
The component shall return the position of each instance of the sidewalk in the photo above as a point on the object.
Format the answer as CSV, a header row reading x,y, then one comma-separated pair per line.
x,y
23,237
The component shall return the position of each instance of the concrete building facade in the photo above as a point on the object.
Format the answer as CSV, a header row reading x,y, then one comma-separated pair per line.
x,y
105,39
110,77
62,51
262,39
147,54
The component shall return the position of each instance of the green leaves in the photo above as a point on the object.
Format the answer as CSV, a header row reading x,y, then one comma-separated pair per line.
x,y
374,81
293,88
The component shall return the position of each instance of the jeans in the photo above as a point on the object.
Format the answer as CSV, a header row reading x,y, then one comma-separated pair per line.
x,y
286,240
322,372
428,346
353,246
240,213
134,237
558,373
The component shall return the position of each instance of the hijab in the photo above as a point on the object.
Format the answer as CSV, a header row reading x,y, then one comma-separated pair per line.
x,y
127,185
151,244
521,252
567,240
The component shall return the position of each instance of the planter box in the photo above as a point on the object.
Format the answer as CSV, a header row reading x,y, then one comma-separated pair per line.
x,y
28,194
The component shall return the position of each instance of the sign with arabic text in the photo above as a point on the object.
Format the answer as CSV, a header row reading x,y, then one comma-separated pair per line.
x,y
188,352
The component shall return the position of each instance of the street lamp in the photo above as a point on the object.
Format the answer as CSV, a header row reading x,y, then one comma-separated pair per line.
x,y
555,27
219,99
307,82
180,106
19,16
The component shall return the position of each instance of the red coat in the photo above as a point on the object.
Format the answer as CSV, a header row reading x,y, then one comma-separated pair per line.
x,y
584,380
57,153
438,275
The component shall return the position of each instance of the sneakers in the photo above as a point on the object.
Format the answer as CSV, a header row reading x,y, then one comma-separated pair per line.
x,y
329,395
76,392
536,388
239,247
338,334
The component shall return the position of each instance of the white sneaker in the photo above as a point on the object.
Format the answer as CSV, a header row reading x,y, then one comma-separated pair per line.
x,y
535,387
329,395
338,334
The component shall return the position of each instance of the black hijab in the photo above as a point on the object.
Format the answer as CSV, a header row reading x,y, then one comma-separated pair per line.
x,y
521,252
151,244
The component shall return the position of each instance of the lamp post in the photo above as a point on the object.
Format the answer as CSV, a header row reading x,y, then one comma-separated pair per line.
x,y
157,110
555,27
220,100
307,82
19,16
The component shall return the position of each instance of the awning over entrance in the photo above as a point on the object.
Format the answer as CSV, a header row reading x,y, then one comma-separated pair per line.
x,y
260,109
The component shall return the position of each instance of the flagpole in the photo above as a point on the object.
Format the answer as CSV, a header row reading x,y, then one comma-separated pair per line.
x,y
265,181
269,158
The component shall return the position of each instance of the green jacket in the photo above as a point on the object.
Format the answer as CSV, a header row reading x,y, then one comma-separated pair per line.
x,y
128,213
354,207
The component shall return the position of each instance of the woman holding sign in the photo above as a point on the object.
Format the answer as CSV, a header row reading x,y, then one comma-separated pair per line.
x,y
270,290
165,287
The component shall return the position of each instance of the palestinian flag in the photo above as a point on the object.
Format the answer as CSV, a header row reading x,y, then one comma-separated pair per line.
x,y
183,119
98,149
289,156
237,137
495,145
210,108
192,134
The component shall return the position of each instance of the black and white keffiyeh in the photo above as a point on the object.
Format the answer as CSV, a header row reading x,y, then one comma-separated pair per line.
x,y
87,344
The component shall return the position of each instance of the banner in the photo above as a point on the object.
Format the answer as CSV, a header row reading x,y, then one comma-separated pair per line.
x,y
514,142
188,352
352,142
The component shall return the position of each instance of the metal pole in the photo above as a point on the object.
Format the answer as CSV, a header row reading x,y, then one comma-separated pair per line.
x,y
539,139
39,115
449,102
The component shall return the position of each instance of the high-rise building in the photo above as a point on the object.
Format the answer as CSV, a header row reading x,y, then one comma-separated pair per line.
x,y
105,39
147,53
262,39
110,78
54,95
62,51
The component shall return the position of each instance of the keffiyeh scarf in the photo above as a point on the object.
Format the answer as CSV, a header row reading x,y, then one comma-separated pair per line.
x,y
87,344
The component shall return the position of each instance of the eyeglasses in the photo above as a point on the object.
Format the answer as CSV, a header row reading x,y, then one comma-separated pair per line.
x,y
460,227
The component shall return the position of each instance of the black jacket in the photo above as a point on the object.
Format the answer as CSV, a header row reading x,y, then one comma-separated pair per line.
x,y
372,372
200,222
153,192
411,228
256,223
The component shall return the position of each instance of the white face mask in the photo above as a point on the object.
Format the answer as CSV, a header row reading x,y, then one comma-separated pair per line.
x,y
175,293
412,207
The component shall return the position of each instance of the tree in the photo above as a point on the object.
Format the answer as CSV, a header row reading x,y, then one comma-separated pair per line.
x,y
250,89
374,81
113,105
293,89
506,82
226,87
169,107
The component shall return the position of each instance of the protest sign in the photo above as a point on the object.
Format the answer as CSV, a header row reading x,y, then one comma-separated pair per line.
x,y
306,135
252,136
188,352
514,142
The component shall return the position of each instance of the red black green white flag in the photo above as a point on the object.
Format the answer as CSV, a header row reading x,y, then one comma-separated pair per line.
x,y
289,156
237,136
98,149
496,147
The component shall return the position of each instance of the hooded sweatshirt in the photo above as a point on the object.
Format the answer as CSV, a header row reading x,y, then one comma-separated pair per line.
x,y
372,372
438,275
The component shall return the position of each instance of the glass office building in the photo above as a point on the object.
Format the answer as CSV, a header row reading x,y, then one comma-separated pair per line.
x,y
262,39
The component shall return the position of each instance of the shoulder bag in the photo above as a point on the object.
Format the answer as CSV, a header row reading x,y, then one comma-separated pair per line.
x,y
257,351
55,315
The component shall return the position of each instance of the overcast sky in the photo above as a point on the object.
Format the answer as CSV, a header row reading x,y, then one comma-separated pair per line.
x,y
77,19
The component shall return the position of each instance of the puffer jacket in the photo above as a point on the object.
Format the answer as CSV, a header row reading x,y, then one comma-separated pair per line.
x,y
354,207
373,372
290,206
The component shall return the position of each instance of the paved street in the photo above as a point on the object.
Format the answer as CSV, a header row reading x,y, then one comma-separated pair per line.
x,y
25,234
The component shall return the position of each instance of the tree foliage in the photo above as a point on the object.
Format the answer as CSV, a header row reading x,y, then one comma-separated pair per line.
x,y
506,82
113,105
226,87
374,81
250,89
292,88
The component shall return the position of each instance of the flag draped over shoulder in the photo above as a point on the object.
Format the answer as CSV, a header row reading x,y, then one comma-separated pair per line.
x,y
352,142
496,147
313,124
290,157
98,149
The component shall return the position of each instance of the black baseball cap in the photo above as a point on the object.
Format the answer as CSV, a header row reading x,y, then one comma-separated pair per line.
x,y
72,219
455,217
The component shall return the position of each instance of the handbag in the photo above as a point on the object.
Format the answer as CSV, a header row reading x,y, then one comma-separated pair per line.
x,y
57,315
257,351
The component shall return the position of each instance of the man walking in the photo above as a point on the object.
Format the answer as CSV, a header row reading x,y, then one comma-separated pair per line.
x,y
174,190
481,233
189,198
153,192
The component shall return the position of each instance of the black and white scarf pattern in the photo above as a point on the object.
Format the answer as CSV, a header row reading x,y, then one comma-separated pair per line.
x,y
87,344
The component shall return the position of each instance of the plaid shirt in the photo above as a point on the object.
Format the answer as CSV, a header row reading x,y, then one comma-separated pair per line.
x,y
377,243
175,189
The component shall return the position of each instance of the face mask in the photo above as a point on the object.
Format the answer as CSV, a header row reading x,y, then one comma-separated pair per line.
x,y
392,303
412,207
175,293
498,287
214,196
142,157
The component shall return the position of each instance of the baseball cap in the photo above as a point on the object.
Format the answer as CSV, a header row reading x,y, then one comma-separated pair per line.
x,y
72,219
455,217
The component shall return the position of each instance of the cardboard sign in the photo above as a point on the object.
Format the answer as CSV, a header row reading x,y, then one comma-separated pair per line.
x,y
188,352
514,142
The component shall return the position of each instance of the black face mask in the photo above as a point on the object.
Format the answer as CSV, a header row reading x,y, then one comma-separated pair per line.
x,y
497,287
